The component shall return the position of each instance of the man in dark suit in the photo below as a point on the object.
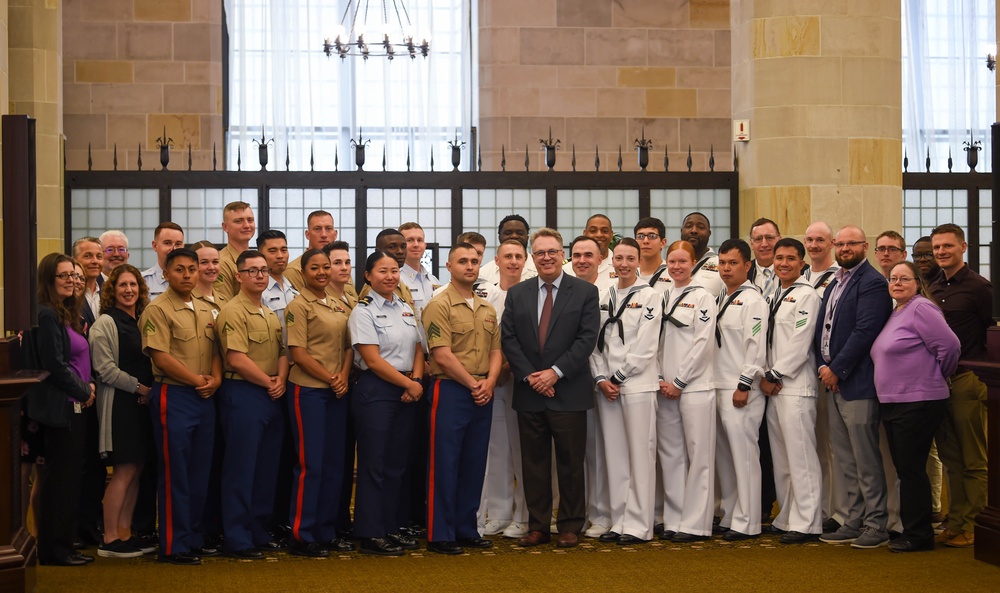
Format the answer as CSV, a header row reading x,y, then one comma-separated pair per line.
x,y
855,308
549,331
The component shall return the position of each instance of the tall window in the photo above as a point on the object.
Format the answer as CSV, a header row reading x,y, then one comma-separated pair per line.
x,y
283,87
948,93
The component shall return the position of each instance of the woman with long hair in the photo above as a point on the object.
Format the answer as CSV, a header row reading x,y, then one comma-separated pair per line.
x,y
124,378
62,350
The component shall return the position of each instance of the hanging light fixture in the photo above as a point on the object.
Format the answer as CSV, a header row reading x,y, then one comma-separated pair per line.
x,y
376,35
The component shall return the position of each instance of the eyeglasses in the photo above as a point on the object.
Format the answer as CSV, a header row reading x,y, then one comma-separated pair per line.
x,y
650,236
887,249
114,250
256,271
762,238
67,275
900,279
546,252
842,244
921,256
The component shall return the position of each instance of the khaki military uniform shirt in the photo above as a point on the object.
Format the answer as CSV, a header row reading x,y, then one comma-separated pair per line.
x,y
255,331
227,283
320,328
186,331
217,302
470,332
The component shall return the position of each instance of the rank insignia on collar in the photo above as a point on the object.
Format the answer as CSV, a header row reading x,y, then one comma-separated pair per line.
x,y
365,301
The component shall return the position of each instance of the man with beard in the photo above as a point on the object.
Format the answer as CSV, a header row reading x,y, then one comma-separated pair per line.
x,y
697,230
855,308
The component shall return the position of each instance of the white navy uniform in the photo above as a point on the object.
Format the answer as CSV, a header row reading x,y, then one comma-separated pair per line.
x,y
626,356
659,279
833,493
791,417
503,492
276,297
155,281
706,273
686,427
595,470
741,341
489,272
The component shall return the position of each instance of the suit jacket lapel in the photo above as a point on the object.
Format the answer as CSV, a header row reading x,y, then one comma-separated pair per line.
x,y
560,303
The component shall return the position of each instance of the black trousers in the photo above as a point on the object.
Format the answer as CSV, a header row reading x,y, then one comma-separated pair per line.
x,y
910,428
93,479
60,496
568,430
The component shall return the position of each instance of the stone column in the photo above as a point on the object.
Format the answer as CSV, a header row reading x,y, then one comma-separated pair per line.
x,y
35,89
820,83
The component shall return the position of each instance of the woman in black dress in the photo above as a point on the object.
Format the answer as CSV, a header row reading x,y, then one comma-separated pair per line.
x,y
125,375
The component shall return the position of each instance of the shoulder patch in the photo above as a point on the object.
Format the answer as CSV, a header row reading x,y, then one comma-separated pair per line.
x,y
756,327
367,300
149,328
649,313
228,329
289,318
433,331
704,316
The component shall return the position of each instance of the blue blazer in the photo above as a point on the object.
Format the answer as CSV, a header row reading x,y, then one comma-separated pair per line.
x,y
860,315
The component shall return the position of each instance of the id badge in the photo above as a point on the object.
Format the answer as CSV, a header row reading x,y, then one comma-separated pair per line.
x,y
77,408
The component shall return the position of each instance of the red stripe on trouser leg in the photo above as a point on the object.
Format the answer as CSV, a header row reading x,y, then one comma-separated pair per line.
x,y
430,457
302,463
168,505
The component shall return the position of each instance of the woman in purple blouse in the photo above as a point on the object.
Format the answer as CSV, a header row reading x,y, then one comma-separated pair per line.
x,y
914,356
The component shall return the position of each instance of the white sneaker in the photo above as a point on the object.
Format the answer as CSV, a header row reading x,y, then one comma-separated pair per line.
x,y
516,530
493,527
597,529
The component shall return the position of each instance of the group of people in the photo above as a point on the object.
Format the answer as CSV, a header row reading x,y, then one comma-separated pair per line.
x,y
626,390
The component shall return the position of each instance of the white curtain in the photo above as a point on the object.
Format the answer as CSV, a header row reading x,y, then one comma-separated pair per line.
x,y
948,93
283,87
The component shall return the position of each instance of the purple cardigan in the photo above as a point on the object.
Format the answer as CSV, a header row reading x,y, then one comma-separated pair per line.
x,y
915,354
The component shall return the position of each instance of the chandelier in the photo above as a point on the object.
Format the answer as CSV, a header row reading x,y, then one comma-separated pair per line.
x,y
376,35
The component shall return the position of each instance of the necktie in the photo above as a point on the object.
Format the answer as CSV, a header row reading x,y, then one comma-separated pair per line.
x,y
768,290
543,321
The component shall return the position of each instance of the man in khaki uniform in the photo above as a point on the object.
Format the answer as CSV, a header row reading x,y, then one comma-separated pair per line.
x,y
178,334
320,232
256,369
240,226
464,340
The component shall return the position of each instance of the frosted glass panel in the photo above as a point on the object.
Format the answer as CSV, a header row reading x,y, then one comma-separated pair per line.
x,y
291,207
199,211
135,212
483,209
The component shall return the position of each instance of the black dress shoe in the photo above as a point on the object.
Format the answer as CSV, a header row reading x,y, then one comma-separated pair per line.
x,y
667,534
70,560
689,538
403,541
658,529
414,531
474,542
85,557
247,554
340,545
630,540
448,548
797,537
831,525
275,545
894,535
308,549
771,529
182,559
719,530
735,536
206,551
904,544
380,546
610,537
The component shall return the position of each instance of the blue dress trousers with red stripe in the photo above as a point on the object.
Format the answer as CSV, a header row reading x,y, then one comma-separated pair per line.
x,y
184,431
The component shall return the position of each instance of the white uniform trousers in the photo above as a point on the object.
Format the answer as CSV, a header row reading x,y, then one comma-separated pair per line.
x,y
833,497
685,437
791,426
596,471
737,460
629,435
891,483
503,496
